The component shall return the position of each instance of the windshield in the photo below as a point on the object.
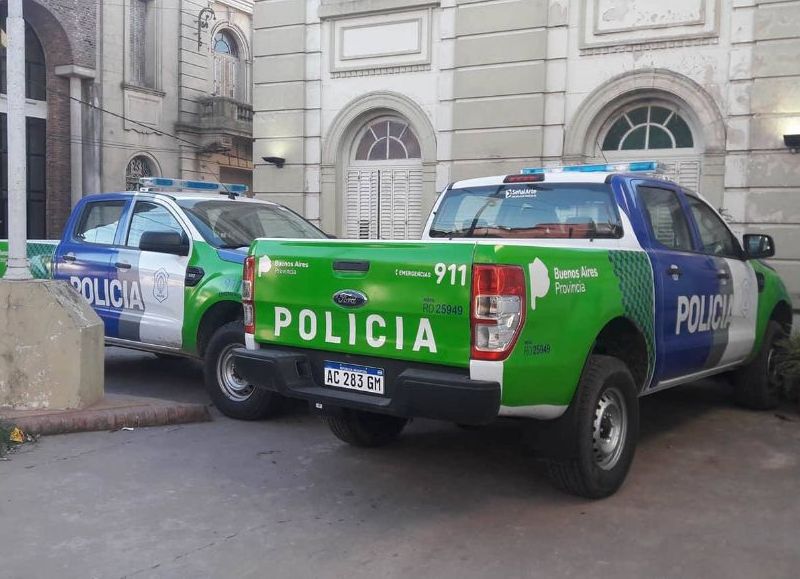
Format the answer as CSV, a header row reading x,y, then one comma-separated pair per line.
x,y
229,224
529,210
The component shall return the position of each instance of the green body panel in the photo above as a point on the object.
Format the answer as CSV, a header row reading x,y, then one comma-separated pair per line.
x,y
222,282
769,297
585,293
40,258
433,313
571,295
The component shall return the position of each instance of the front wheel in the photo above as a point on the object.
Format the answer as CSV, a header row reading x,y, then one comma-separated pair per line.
x,y
606,427
229,392
758,384
364,428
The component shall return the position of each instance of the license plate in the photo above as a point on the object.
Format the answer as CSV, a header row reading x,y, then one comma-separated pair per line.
x,y
354,377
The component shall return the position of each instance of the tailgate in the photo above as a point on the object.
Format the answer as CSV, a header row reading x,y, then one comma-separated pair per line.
x,y
401,300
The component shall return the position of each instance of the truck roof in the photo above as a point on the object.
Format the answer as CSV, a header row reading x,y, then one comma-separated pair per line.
x,y
587,173
185,195
549,177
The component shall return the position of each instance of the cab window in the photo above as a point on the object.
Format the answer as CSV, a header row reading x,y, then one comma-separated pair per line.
x,y
665,218
149,216
529,210
99,222
715,236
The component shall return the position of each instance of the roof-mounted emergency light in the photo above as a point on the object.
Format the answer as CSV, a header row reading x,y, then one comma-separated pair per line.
x,y
634,167
168,184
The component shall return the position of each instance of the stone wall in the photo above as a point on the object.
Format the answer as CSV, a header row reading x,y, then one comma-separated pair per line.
x,y
762,176
281,85
499,86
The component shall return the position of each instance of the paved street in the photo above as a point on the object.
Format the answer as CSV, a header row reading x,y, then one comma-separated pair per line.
x,y
714,492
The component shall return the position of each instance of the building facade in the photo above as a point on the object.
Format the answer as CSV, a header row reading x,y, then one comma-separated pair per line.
x,y
176,78
392,100
60,63
122,89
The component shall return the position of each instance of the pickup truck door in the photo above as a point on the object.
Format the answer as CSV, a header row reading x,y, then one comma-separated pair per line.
x,y
84,256
686,283
157,318
736,323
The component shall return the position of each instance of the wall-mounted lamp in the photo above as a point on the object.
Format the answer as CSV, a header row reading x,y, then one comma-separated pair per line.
x,y
206,14
792,141
279,162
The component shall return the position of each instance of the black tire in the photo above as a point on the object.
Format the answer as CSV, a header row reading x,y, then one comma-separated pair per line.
x,y
757,385
594,466
228,392
365,429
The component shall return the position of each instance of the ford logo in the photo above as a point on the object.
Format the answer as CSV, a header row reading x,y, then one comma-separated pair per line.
x,y
350,298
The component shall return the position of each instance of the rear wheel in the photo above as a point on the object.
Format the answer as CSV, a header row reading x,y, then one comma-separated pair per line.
x,y
758,385
231,394
606,427
364,428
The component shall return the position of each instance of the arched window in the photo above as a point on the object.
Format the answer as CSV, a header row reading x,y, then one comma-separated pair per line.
x,y
139,166
388,140
227,66
35,76
648,127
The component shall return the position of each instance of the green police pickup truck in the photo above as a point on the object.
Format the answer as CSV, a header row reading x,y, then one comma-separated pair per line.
x,y
162,267
555,296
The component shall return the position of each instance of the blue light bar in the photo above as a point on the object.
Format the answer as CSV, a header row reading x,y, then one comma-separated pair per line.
x,y
168,184
634,167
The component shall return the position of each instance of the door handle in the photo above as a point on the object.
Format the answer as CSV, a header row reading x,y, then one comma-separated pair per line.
x,y
674,270
351,266
122,265
722,274
68,257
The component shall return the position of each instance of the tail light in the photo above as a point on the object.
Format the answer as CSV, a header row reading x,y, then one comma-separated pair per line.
x,y
498,310
248,278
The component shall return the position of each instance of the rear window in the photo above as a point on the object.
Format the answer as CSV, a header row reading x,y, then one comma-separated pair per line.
x,y
529,210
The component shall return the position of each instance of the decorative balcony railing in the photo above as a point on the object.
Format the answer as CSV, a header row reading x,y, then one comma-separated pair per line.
x,y
226,116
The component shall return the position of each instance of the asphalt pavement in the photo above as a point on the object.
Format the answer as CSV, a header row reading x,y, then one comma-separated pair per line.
x,y
714,492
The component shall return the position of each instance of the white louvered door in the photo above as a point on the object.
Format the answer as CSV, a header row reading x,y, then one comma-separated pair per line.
x,y
384,203
685,172
361,204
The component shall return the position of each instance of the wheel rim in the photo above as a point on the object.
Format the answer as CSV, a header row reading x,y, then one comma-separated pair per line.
x,y
773,379
610,428
233,386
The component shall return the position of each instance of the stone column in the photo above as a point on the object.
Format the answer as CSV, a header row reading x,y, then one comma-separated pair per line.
x,y
76,75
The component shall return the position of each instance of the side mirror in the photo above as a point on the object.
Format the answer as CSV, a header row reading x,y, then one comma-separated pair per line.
x,y
757,246
170,242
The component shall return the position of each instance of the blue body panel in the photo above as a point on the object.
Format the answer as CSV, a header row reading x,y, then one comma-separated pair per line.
x,y
678,353
93,268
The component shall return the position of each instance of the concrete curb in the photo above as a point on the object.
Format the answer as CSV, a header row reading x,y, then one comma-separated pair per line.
x,y
112,413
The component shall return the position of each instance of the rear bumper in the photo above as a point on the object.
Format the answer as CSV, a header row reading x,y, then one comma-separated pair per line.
x,y
412,390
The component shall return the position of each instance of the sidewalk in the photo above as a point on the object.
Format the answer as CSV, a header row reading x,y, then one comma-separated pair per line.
x,y
113,412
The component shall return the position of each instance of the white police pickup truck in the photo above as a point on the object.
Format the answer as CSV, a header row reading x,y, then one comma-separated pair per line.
x,y
162,267
558,296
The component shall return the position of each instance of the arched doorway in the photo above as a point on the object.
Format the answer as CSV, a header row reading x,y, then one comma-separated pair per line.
x,y
654,129
384,182
36,136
